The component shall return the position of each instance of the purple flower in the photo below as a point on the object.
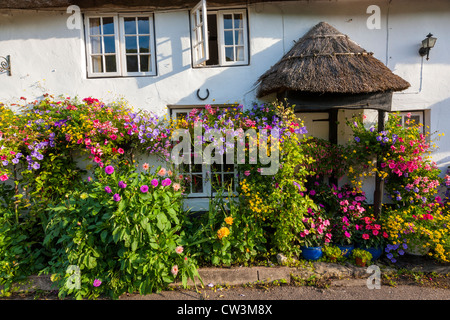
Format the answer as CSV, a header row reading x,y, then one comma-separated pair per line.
x,y
5,163
122,185
116,197
357,139
108,189
97,283
35,166
155,182
166,182
144,188
109,169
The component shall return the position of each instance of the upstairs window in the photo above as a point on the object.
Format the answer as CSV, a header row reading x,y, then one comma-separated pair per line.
x,y
120,45
220,37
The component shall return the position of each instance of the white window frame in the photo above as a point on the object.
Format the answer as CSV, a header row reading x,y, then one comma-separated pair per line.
x,y
89,53
123,54
420,114
221,37
119,35
199,35
206,168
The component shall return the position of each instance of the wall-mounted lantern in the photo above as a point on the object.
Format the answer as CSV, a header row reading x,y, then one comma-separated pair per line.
x,y
5,65
427,44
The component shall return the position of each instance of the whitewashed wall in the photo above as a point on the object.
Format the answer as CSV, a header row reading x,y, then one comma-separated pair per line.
x,y
47,57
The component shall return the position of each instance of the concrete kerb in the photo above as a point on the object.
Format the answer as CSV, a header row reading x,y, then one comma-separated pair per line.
x,y
236,276
345,274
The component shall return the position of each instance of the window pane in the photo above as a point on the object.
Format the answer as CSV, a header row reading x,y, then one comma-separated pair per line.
x,y
144,44
97,65
238,23
130,25
96,45
228,21
143,25
197,183
238,38
240,53
229,53
131,44
110,62
132,64
145,63
94,26
108,25
110,45
228,38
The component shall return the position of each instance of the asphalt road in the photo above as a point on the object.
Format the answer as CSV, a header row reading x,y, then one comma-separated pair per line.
x,y
355,292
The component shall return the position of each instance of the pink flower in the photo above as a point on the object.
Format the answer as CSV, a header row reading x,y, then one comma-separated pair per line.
x,y
166,182
247,173
154,182
176,186
3,177
375,232
145,166
348,235
121,151
179,249
144,188
97,283
365,236
162,172
174,270
109,169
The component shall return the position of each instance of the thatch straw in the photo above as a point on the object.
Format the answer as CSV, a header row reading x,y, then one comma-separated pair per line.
x,y
327,61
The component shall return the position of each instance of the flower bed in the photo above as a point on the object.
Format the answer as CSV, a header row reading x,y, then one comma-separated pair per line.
x,y
123,225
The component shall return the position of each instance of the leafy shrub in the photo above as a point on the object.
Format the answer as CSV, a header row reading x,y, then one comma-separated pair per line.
x,y
123,230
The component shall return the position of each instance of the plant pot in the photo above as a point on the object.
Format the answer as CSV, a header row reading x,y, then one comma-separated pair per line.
x,y
346,249
311,253
376,252
360,262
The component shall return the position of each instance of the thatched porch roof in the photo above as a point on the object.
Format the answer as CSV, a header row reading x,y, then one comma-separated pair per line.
x,y
327,61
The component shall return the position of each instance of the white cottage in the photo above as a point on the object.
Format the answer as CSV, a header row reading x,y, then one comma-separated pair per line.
x,y
170,56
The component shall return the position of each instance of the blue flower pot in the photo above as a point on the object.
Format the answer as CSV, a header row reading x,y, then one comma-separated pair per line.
x,y
376,252
311,253
346,249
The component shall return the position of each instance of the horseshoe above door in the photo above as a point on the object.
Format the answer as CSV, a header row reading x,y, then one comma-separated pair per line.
x,y
203,98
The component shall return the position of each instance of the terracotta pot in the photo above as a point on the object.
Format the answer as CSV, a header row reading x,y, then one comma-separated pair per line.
x,y
360,262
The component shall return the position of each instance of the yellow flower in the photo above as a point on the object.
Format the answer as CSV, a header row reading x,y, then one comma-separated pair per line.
x,y
229,220
223,232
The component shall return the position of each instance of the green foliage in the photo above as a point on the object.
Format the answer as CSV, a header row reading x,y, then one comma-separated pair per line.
x,y
128,244
224,235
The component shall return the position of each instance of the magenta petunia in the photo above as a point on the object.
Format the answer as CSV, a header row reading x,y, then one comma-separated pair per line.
x,y
109,169
155,182
166,182
144,188
116,197
122,185
97,283
108,189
